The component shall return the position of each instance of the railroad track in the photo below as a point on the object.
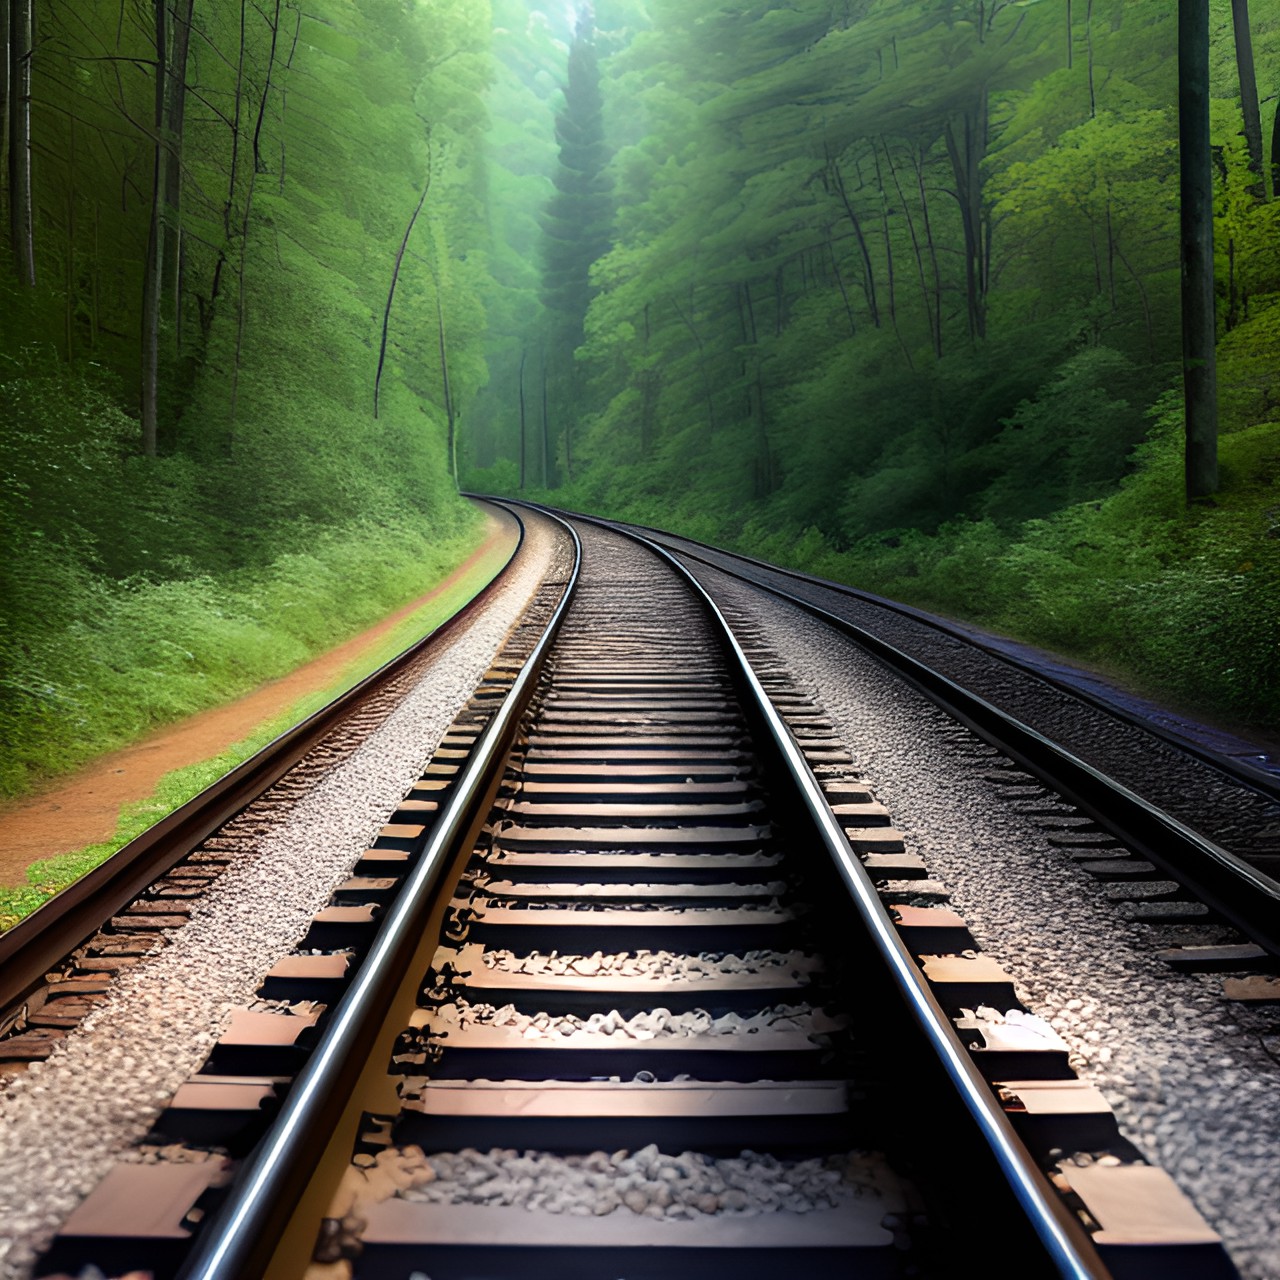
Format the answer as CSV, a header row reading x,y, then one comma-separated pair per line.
x,y
1179,810
659,989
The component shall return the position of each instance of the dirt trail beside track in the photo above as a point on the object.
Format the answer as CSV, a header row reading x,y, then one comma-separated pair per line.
x,y
83,807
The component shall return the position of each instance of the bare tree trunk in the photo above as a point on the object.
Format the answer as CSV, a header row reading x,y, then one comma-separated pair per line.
x,y
21,223
395,277
1249,93
1199,355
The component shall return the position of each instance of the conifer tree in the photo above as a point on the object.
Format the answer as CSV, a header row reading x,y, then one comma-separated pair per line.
x,y
577,222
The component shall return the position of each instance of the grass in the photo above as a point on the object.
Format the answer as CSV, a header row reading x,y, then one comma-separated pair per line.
x,y
48,877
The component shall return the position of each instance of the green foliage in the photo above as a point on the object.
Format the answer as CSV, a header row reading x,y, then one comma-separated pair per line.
x,y
112,660
280,514
47,877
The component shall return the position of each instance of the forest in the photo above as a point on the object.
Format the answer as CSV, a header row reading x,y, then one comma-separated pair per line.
x,y
887,290
891,294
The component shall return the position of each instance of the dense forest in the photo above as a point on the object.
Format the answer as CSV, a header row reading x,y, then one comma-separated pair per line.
x,y
885,289
892,294
242,308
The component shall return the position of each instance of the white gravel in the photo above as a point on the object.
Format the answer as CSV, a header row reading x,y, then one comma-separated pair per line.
x,y
656,1185
651,1024
64,1123
1188,1074
650,964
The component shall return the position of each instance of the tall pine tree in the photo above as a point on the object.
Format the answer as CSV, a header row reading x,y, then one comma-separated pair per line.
x,y
576,224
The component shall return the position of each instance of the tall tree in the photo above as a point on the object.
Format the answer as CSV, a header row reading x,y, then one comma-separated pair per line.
x,y
577,222
21,44
1199,356
1249,105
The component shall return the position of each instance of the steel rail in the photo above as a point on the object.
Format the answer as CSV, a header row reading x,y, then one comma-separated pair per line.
x,y
1237,891
40,941
238,1243
1247,897
1241,772
1064,1238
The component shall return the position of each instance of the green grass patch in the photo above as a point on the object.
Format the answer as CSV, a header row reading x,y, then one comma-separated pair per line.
x,y
50,876
108,661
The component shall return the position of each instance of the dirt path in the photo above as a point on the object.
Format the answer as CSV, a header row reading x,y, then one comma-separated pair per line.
x,y
83,807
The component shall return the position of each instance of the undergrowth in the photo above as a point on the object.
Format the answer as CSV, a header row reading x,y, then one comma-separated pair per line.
x,y
109,660
49,876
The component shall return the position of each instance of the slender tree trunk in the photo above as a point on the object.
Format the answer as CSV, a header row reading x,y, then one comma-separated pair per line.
x,y
869,287
1088,37
524,354
1249,92
918,164
21,223
6,106
448,394
966,148
915,241
702,366
1199,356
154,269
1069,37
395,278
890,272
548,472
844,292
284,87
259,164
174,127
1275,149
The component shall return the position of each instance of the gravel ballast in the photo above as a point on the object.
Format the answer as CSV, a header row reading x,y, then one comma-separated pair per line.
x,y
65,1122
1189,1075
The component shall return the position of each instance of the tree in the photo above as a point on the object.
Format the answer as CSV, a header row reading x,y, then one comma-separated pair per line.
x,y
577,222
21,46
1199,354
1248,91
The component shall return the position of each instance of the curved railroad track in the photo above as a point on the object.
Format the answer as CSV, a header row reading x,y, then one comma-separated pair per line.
x,y
659,989
147,886
1208,821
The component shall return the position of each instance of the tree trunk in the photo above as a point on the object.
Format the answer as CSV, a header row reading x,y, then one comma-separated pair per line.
x,y
524,354
917,160
1275,150
448,395
915,241
395,278
1199,357
548,463
6,106
1249,93
966,148
869,288
174,125
154,267
21,224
